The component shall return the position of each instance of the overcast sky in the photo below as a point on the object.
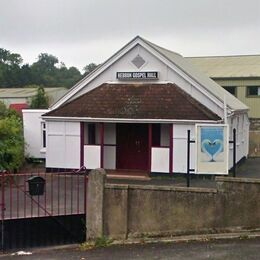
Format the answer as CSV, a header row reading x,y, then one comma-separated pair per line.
x,y
79,32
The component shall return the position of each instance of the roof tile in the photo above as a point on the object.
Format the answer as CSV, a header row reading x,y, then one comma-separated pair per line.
x,y
135,101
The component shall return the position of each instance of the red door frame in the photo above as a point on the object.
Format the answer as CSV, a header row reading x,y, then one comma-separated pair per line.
x,y
102,131
134,146
81,144
171,150
150,135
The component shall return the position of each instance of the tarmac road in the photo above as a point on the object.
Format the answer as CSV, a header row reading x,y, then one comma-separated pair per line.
x,y
236,249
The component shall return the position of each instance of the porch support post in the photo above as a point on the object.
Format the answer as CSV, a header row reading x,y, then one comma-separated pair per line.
x,y
82,144
171,149
150,138
101,145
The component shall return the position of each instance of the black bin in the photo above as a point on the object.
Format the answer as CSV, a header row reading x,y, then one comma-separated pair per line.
x,y
36,185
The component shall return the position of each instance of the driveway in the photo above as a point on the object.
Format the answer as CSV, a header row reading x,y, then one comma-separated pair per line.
x,y
224,249
247,169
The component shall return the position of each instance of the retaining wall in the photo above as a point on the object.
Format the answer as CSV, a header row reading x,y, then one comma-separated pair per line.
x,y
150,211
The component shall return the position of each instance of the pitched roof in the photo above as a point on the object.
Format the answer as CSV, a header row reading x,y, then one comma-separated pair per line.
x,y
240,66
175,59
135,101
26,93
199,76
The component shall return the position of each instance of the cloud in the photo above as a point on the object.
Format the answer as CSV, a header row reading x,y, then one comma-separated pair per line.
x,y
91,30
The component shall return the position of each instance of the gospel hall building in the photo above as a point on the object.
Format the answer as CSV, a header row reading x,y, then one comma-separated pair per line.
x,y
133,113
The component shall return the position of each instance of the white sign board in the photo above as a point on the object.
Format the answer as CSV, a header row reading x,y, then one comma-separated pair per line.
x,y
212,149
137,75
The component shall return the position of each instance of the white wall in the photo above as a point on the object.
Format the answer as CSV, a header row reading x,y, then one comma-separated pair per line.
x,y
109,147
63,145
33,132
239,122
92,156
160,159
180,147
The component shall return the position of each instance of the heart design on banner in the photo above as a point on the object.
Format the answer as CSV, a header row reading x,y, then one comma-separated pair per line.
x,y
212,148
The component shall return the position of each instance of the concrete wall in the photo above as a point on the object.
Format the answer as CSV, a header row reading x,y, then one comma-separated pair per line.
x,y
142,210
254,144
254,138
241,87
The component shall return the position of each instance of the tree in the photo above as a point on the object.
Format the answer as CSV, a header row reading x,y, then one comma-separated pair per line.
x,y
11,140
47,62
10,68
40,100
44,70
68,77
47,71
8,58
89,68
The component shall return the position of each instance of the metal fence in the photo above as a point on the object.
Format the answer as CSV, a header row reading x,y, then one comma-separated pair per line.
x,y
60,208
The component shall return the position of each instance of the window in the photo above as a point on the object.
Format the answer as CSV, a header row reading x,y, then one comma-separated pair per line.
x,y
43,125
253,91
231,90
156,134
91,134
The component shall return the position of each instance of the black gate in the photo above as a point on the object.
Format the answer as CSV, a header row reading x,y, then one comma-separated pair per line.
x,y
42,209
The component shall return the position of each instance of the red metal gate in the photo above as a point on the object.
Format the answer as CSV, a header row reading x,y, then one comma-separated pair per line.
x,y
55,217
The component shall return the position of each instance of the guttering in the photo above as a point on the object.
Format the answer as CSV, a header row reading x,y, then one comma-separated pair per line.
x,y
31,110
128,120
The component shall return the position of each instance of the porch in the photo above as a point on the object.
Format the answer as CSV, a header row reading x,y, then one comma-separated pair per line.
x,y
133,149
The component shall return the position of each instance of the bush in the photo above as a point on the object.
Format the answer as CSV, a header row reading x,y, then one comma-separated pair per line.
x,y
11,140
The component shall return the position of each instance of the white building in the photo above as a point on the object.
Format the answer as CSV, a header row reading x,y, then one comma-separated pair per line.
x,y
133,113
34,133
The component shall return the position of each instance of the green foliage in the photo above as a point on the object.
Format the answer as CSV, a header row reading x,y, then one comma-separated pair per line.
x,y
103,242
40,100
11,140
98,242
89,68
3,110
46,71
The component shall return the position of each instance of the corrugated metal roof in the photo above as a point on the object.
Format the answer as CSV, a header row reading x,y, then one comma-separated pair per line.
x,y
242,66
25,92
189,68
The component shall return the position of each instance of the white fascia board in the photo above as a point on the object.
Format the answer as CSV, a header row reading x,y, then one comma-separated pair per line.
x,y
35,110
78,86
185,76
128,120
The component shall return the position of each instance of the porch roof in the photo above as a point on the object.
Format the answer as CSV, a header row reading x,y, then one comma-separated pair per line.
x,y
135,101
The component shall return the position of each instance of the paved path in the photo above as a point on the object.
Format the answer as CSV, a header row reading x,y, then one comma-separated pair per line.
x,y
225,249
248,169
